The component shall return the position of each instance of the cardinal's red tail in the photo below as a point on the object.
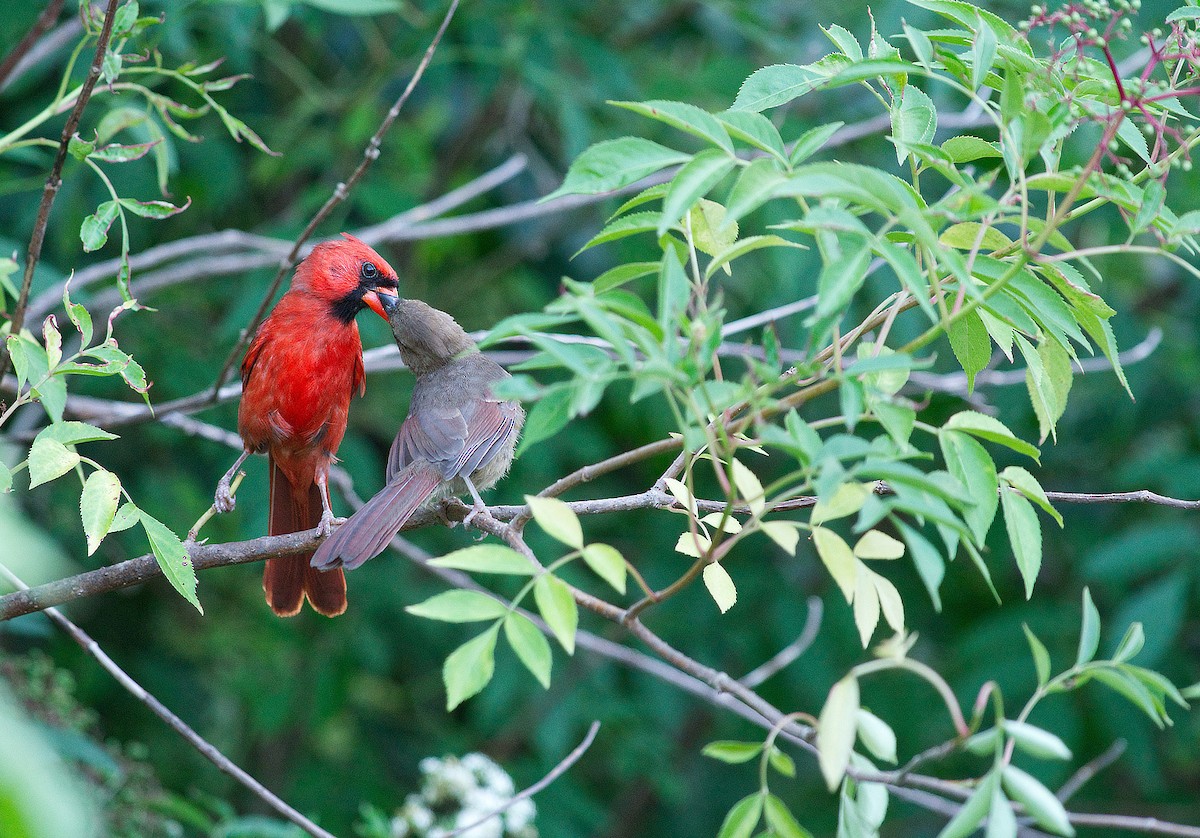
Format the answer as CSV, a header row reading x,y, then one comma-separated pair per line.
x,y
371,528
288,580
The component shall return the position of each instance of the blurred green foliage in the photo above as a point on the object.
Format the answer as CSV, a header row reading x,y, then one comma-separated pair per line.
x,y
332,714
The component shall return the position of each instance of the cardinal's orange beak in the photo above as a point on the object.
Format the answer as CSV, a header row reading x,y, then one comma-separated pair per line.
x,y
381,301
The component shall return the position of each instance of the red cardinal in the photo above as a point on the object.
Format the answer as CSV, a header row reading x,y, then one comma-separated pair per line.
x,y
297,380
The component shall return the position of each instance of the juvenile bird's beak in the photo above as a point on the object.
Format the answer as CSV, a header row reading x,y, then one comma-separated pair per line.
x,y
381,301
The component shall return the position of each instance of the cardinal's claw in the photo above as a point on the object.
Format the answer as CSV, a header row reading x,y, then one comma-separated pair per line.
x,y
327,523
224,501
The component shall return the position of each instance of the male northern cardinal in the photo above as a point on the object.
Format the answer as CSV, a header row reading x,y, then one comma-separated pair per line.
x,y
298,376
457,437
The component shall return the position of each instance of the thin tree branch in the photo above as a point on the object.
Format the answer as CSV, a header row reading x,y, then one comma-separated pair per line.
x,y
55,180
41,26
340,193
1090,770
206,749
784,657
556,772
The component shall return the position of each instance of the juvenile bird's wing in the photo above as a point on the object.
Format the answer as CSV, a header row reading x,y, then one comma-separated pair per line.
x,y
455,440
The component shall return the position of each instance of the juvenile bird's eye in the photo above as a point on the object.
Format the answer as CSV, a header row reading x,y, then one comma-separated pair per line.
x,y
369,271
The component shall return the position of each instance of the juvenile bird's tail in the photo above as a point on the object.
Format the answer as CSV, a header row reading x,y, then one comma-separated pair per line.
x,y
287,581
370,529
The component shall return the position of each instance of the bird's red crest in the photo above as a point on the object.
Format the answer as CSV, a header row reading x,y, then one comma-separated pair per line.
x,y
334,268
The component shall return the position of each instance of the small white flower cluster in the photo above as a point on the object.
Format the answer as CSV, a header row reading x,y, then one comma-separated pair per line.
x,y
458,792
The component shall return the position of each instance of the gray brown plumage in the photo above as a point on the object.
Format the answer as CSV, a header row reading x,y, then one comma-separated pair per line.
x,y
457,438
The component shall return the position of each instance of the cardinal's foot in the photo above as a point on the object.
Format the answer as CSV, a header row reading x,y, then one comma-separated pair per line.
x,y
328,522
224,501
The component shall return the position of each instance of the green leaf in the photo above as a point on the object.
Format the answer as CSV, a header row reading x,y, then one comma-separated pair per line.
x,y
1041,804
1048,379
842,275
1002,821
991,429
98,506
469,668
5,478
611,164
914,120
878,545
607,563
1041,658
356,7
846,500
459,607
749,488
744,246
80,148
154,209
94,230
120,153
1131,643
487,558
710,233
673,291
732,752
74,433
692,182
172,558
558,609
1089,632
838,559
557,519
983,53
720,586
49,459
972,812
622,274
1035,741
877,735
971,466
836,730
931,567
783,533
1184,13
1025,483
811,141
781,762
754,187
1025,536
971,235
781,821
965,149
971,344
127,515
743,817
756,130
629,225
689,118
530,645
776,85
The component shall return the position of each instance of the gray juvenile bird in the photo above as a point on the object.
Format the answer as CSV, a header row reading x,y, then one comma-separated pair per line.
x,y
456,439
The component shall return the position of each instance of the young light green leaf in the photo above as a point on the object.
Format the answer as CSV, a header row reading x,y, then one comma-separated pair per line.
x,y
459,607
1002,821
607,563
970,235
836,730
1035,741
732,752
487,558
682,494
1089,633
878,545
154,209
530,645
1131,643
720,586
783,533
171,556
73,433
889,601
743,817
866,603
53,341
782,822
98,506
127,515
1048,379
94,230
712,233
612,164
558,609
848,499
749,488
469,668
1041,804
1041,657
838,559
991,429
1025,483
876,735
972,812
969,463
694,545
781,762
1025,536
723,522
965,149
49,459
557,519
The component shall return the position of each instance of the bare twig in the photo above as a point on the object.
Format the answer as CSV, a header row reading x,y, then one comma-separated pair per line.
x,y
556,772
206,749
55,180
1086,772
784,657
41,26
340,193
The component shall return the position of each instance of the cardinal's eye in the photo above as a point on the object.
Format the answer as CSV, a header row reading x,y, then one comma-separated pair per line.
x,y
368,271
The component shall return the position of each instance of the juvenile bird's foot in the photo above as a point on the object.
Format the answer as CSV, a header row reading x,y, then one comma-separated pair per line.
x,y
327,523
224,501
476,509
